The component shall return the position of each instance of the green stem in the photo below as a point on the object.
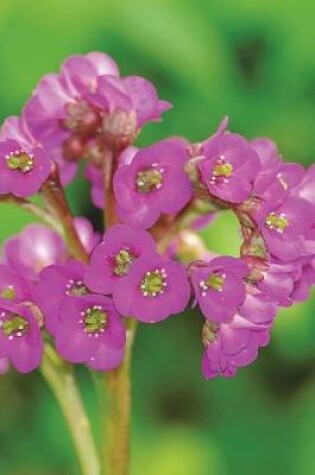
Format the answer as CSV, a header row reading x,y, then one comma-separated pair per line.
x,y
57,204
37,211
116,424
60,378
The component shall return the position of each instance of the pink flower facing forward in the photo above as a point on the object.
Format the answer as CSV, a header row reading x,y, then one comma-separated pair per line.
x,y
12,286
114,257
153,183
285,227
219,286
229,167
154,289
20,338
24,164
57,284
71,110
90,331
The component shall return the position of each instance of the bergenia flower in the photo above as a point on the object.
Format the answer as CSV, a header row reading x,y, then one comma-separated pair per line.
x,y
20,338
35,248
229,167
231,346
154,289
90,331
24,164
58,283
285,227
113,258
153,183
13,287
219,286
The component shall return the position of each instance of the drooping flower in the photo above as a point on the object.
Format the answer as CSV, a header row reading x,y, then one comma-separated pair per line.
x,y
153,183
24,164
58,283
229,167
154,289
219,286
232,346
113,258
90,331
20,338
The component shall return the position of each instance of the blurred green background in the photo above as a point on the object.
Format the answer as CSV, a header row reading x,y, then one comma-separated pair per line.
x,y
252,60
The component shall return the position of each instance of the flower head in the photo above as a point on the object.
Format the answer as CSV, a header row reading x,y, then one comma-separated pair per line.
x,y
153,183
220,287
154,289
113,258
90,332
20,338
58,283
229,167
24,164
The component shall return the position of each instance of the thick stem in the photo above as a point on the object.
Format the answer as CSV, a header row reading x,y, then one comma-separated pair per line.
x,y
109,168
116,425
60,378
57,204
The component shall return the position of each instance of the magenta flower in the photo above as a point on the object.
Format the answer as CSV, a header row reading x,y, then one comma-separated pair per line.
x,y
24,164
90,331
306,189
219,286
235,345
154,289
20,338
12,286
153,183
35,248
285,227
113,258
275,179
62,106
278,281
229,167
58,283
305,280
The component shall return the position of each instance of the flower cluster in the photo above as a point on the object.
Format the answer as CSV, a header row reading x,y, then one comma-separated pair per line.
x,y
73,288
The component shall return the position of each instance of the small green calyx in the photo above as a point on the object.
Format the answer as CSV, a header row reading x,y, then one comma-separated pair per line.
x,y
277,222
14,326
95,320
153,283
8,293
148,180
215,281
122,262
20,161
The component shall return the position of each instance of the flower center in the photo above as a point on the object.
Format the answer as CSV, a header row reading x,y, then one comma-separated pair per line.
x,y
149,180
76,288
215,281
14,325
122,262
154,283
20,161
277,221
95,321
8,293
222,170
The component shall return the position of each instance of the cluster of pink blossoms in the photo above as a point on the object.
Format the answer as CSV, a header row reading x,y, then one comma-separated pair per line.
x,y
138,269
